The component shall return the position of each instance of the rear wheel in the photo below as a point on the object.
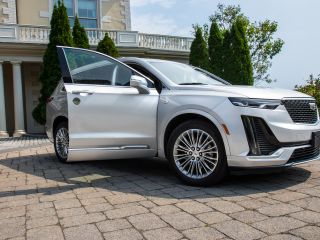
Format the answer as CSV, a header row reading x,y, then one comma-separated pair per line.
x,y
61,141
196,153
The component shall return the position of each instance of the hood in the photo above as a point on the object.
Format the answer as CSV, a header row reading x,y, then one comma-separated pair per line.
x,y
248,91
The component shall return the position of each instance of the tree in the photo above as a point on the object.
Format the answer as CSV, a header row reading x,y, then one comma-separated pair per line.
x,y
60,34
237,64
199,52
262,44
107,46
312,88
80,38
215,48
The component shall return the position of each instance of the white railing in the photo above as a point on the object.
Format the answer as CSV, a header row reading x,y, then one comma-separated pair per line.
x,y
40,35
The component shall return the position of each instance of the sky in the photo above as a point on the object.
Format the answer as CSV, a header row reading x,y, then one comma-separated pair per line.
x,y
299,27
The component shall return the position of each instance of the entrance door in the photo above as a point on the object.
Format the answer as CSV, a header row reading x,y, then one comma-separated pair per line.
x,y
107,117
31,73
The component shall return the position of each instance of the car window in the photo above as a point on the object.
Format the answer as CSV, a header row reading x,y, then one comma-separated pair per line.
x,y
183,74
146,73
123,76
88,67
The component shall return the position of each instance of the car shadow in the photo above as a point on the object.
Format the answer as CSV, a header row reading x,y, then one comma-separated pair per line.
x,y
147,177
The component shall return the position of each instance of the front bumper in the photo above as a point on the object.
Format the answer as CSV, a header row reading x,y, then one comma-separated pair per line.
x,y
289,136
280,158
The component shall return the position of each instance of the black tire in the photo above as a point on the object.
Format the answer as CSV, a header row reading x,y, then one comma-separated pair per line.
x,y
62,125
220,170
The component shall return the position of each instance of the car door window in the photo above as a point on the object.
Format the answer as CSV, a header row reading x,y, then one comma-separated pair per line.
x,y
123,76
88,67
141,70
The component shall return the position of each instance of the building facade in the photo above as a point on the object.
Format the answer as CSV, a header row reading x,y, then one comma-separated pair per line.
x,y
24,34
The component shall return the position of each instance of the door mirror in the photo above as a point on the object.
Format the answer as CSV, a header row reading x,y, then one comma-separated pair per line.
x,y
140,84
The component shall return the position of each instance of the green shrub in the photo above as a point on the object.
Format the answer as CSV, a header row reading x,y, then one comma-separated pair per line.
x,y
312,88
50,76
107,46
199,56
80,38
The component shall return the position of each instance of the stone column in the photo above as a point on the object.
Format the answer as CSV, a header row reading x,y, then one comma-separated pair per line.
x,y
18,99
3,123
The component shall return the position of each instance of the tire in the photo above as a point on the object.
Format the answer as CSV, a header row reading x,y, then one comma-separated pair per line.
x,y
59,142
196,161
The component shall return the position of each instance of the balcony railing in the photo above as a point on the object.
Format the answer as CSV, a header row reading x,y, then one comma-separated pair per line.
x,y
40,35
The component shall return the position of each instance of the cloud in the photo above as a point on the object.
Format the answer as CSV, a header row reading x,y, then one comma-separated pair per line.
x,y
158,24
162,3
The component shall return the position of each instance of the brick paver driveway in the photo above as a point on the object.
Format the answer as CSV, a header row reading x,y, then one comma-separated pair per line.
x,y
41,198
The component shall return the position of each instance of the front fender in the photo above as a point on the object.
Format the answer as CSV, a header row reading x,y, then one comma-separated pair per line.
x,y
163,125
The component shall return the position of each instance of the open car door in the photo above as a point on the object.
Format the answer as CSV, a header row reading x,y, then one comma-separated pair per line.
x,y
108,119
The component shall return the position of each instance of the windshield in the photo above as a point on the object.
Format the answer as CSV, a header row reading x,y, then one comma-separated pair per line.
x,y
183,74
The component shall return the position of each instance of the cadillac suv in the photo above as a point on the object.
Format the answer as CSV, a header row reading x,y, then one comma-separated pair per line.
x,y
134,108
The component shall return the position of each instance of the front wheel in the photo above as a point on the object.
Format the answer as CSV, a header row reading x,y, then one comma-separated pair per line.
x,y
61,141
196,153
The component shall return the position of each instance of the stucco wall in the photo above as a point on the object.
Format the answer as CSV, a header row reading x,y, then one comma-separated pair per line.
x,y
29,12
114,14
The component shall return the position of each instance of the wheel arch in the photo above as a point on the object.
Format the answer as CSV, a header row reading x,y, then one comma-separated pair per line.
x,y
186,116
57,121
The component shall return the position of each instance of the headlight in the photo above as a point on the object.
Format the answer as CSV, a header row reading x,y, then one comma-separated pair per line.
x,y
255,103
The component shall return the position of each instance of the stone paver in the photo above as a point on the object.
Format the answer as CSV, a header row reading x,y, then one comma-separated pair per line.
x,y
113,225
213,217
182,221
48,233
83,232
308,232
40,198
279,209
126,234
278,225
162,234
238,230
225,206
146,221
307,216
204,233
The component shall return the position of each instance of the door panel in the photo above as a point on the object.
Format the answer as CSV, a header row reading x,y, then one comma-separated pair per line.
x,y
107,118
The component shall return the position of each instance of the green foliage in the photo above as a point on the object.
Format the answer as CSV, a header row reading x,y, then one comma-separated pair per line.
x,y
199,52
50,75
80,38
237,63
215,48
312,88
107,46
263,46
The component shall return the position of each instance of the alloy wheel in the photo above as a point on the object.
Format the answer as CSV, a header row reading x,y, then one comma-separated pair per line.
x,y
62,142
195,153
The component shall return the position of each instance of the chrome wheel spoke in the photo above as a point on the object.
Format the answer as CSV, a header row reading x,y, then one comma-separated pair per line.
x,y
196,153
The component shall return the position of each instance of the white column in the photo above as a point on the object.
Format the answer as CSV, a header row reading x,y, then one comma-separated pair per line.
x,y
3,123
18,100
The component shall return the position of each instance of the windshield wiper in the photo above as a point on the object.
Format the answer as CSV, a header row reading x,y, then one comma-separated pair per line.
x,y
193,84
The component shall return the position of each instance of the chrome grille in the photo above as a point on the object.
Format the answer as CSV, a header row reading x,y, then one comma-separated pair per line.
x,y
300,110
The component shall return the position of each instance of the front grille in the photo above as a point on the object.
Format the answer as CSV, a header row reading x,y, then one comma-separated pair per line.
x,y
260,138
300,111
304,154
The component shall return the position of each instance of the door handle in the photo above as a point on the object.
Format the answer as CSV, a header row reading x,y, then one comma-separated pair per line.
x,y
79,92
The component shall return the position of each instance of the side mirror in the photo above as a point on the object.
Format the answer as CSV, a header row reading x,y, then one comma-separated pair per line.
x,y
140,84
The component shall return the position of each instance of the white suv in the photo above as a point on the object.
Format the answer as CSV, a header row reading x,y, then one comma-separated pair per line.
x,y
110,109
